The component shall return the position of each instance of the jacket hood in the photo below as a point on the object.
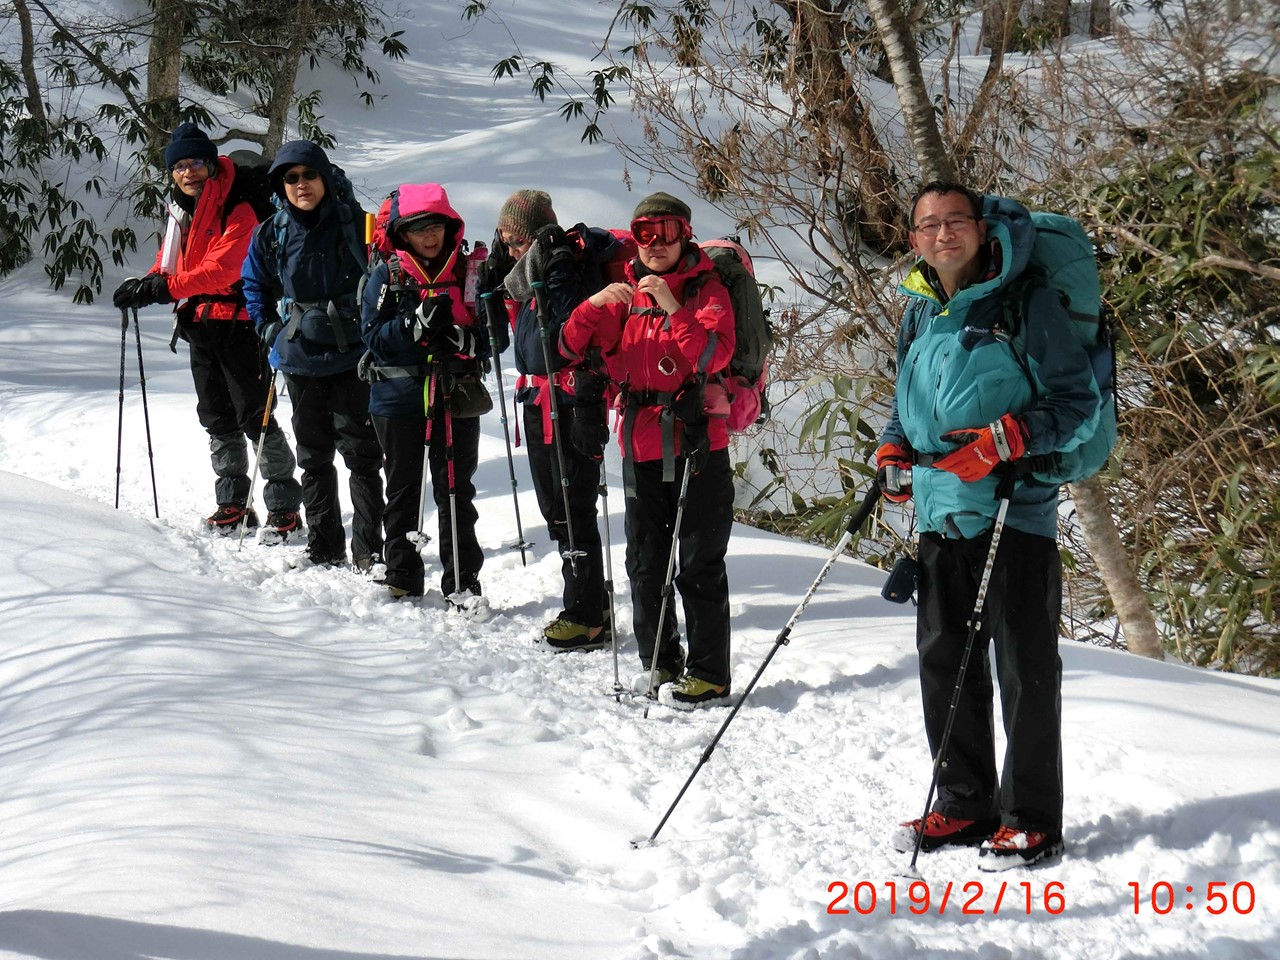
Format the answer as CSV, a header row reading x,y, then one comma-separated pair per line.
x,y
413,200
1010,237
300,153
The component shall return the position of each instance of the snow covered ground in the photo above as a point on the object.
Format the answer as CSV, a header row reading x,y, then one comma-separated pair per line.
x,y
209,754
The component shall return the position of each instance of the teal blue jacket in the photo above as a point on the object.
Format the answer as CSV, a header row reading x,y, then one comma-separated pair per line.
x,y
958,369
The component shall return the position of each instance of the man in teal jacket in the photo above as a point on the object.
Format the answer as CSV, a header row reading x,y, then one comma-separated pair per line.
x,y
969,403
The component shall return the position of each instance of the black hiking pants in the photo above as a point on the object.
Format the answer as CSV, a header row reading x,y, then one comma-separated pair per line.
x,y
231,378
700,574
331,415
585,600
403,444
1023,605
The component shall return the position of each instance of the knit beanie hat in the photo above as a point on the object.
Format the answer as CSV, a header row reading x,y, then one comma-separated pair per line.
x,y
190,143
525,213
662,205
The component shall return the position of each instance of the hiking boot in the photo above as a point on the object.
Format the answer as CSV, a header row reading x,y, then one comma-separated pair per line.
x,y
227,518
373,565
400,593
640,682
325,557
689,692
939,831
470,584
282,525
563,635
1010,847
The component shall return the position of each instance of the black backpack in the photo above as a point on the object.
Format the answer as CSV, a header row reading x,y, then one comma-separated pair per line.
x,y
252,185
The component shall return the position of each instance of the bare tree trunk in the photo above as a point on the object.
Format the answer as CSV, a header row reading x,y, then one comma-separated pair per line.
x,y
917,107
1100,17
290,60
35,101
164,69
1060,16
994,33
1134,612
834,106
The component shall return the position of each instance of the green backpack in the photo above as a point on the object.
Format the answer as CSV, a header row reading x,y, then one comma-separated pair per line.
x,y
1063,260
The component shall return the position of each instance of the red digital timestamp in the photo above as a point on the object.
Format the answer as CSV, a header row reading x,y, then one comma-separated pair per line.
x,y
1217,898
968,899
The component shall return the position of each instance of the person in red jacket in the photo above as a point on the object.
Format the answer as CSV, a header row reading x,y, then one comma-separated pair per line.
x,y
210,223
659,336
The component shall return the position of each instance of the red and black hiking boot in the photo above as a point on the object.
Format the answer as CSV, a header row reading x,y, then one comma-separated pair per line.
x,y
282,526
940,831
1011,847
227,519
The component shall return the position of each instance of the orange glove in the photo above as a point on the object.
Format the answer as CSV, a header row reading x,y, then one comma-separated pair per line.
x,y
984,448
893,472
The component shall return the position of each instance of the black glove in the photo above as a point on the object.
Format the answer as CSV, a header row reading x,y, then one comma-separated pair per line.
x,y
589,387
688,405
268,332
153,288
589,430
496,266
450,340
495,307
697,445
432,318
123,297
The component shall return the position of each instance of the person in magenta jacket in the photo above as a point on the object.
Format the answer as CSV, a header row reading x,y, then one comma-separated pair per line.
x,y
658,337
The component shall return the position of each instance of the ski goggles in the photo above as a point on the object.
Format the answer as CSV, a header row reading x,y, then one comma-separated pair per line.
x,y
664,230
294,177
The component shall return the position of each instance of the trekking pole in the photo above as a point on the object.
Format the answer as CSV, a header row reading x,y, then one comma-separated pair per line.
x,y
146,417
124,343
856,520
257,457
667,584
1004,492
618,688
522,544
428,395
453,491
544,334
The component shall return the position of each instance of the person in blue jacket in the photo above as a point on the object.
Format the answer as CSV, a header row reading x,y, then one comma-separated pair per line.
x,y
425,363
965,410
301,277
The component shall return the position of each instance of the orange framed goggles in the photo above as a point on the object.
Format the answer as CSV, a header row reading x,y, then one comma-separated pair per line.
x,y
664,230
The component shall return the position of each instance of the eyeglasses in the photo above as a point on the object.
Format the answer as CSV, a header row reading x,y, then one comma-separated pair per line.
x,y
294,177
189,166
931,228
666,230
421,226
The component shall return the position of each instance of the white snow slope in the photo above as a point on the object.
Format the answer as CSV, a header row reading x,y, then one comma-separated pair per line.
x,y
209,754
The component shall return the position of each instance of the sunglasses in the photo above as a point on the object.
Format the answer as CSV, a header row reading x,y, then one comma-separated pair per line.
x,y
665,231
294,177
187,166
512,242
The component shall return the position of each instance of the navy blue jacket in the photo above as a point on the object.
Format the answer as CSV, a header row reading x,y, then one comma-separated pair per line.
x,y
310,263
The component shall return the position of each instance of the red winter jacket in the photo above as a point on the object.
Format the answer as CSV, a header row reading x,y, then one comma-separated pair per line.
x,y
649,353
210,260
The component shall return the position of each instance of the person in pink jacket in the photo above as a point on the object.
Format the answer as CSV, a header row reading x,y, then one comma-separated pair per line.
x,y
658,336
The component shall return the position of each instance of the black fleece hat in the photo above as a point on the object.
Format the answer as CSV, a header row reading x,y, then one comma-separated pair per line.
x,y
190,143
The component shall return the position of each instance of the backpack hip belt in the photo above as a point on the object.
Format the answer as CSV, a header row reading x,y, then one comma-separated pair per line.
x,y
298,308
